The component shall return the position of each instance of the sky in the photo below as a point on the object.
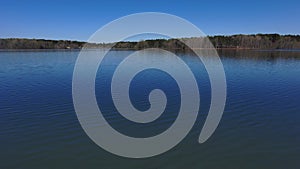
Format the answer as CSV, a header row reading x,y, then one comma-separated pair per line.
x,y
78,20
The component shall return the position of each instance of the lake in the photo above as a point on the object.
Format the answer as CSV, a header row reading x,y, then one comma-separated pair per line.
x,y
260,127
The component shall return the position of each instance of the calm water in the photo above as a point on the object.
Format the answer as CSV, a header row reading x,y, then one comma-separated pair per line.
x,y
260,127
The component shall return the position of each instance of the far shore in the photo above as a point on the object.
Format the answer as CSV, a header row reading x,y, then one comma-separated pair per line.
x,y
233,42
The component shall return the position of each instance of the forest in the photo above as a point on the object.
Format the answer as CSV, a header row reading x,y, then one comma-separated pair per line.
x,y
255,41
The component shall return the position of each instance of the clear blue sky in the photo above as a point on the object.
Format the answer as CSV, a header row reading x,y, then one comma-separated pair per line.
x,y
77,20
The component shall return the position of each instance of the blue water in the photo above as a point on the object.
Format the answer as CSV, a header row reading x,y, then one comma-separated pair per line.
x,y
260,127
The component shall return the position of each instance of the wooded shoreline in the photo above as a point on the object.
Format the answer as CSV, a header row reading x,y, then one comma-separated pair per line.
x,y
257,41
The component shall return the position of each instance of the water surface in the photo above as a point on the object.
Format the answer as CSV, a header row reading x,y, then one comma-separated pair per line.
x,y
259,129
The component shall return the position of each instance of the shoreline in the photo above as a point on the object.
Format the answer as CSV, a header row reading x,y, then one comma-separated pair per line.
x,y
232,42
133,49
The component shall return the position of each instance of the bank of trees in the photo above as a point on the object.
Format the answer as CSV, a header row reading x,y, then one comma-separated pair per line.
x,y
258,41
16,43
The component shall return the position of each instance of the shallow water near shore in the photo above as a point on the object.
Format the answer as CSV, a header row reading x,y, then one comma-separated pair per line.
x,y
259,129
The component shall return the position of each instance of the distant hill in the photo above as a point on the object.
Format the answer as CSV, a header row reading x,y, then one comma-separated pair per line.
x,y
257,41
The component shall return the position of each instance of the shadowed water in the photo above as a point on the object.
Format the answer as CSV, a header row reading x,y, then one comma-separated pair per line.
x,y
259,129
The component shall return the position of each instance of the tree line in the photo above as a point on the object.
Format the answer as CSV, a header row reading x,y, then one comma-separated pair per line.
x,y
256,41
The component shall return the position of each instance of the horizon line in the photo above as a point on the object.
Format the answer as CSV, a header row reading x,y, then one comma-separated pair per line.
x,y
86,41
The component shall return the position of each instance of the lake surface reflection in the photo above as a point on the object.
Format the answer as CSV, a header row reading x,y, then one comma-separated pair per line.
x,y
259,129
